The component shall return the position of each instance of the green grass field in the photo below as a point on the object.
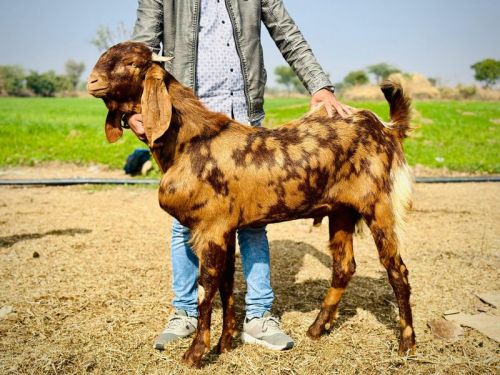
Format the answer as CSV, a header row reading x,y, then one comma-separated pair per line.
x,y
462,136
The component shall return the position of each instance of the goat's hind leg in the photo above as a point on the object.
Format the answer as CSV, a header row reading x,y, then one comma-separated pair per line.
x,y
227,298
382,224
341,227
211,263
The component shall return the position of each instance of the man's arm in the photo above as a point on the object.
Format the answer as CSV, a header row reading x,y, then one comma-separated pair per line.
x,y
299,55
149,24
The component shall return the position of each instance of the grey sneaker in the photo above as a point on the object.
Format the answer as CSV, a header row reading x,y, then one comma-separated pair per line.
x,y
179,325
266,332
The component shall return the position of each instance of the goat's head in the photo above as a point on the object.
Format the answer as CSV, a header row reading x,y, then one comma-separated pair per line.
x,y
127,78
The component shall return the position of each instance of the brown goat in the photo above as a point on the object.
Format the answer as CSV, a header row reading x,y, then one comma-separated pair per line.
x,y
220,175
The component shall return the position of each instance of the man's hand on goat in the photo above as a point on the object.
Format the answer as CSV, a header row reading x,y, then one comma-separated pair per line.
x,y
136,125
328,98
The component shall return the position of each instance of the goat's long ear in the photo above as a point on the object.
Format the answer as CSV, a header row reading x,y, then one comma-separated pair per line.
x,y
113,127
156,105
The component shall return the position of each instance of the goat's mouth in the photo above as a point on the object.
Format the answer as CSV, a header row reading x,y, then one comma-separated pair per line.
x,y
96,85
97,89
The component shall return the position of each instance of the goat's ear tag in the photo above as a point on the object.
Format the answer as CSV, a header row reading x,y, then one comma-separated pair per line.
x,y
158,58
113,126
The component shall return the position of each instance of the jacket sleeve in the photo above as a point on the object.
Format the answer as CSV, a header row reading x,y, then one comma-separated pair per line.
x,y
293,46
149,24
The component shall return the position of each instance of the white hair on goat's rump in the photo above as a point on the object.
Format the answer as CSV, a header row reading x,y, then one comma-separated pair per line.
x,y
402,186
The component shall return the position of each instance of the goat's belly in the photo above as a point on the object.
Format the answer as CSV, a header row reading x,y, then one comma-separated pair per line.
x,y
277,218
259,214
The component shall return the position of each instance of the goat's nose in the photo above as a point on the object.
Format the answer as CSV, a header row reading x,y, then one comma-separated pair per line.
x,y
96,85
93,78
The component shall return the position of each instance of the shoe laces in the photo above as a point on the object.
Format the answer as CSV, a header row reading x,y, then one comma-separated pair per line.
x,y
271,325
176,321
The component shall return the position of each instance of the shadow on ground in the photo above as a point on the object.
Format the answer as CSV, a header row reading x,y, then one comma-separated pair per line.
x,y
368,293
372,294
10,241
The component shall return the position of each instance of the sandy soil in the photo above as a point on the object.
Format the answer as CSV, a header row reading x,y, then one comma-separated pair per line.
x,y
87,273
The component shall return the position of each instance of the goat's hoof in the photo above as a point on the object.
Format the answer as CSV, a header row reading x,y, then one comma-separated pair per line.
x,y
192,359
407,341
407,352
314,333
407,347
225,344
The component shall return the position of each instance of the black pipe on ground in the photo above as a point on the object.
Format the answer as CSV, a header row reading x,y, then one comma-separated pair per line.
x,y
78,181
112,181
455,180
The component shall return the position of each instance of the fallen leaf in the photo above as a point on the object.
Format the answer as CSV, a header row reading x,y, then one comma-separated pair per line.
x,y
488,325
445,330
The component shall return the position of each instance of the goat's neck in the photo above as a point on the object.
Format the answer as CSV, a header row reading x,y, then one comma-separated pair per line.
x,y
163,151
191,117
190,120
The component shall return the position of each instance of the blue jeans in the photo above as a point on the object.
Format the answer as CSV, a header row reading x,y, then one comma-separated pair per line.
x,y
254,250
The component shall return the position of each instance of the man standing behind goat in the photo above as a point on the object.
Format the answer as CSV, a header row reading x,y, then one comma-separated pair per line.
x,y
218,53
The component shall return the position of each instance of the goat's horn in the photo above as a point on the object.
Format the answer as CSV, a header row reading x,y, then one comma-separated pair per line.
x,y
158,58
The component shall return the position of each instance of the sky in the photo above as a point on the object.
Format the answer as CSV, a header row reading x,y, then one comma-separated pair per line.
x,y
438,38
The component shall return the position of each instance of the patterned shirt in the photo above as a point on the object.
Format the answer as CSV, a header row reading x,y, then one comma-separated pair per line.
x,y
219,79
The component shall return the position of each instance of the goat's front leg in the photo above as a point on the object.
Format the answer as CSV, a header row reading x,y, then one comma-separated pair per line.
x,y
211,262
226,295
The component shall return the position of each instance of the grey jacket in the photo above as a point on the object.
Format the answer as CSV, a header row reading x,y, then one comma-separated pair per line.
x,y
174,25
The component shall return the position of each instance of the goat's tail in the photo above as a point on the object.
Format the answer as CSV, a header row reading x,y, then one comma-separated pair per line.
x,y
400,107
401,178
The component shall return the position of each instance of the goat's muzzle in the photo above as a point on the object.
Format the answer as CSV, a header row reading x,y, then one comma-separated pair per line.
x,y
96,85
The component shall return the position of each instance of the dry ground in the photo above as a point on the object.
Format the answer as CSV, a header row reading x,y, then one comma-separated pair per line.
x,y
99,292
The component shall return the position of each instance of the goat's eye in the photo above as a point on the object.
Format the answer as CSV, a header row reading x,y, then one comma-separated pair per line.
x,y
130,64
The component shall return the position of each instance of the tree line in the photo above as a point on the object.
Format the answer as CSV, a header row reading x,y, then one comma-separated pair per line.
x,y
16,81
486,72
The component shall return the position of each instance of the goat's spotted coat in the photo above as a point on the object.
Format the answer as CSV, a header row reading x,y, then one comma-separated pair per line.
x,y
220,175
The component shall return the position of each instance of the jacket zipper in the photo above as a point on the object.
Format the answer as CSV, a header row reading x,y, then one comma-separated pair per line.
x,y
238,50
196,27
